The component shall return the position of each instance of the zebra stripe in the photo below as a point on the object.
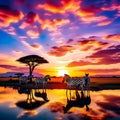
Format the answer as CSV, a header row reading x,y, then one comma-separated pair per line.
x,y
74,82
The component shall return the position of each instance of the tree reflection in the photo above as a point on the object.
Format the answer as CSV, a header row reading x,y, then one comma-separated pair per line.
x,y
31,102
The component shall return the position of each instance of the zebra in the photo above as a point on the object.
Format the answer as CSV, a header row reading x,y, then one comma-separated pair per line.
x,y
79,82
42,80
87,82
23,79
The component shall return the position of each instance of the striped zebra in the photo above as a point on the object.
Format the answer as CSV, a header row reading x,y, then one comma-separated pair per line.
x,y
79,82
42,80
23,79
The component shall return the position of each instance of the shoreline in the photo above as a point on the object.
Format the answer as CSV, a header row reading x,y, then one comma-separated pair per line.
x,y
57,85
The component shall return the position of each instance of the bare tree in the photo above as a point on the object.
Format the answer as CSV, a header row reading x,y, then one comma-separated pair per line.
x,y
32,61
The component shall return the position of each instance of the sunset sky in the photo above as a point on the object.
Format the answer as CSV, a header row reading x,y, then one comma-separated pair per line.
x,y
76,36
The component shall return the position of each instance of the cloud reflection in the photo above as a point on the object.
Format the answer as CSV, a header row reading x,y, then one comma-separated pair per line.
x,y
102,106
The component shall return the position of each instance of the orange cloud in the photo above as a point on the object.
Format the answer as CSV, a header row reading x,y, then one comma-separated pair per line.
x,y
10,30
101,70
60,51
62,7
7,59
89,19
34,46
78,63
107,56
24,25
104,23
17,51
33,33
53,24
89,10
111,8
3,60
50,7
112,37
101,57
8,16
91,44
71,5
30,23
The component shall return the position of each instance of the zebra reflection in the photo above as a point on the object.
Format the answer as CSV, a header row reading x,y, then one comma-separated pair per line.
x,y
80,101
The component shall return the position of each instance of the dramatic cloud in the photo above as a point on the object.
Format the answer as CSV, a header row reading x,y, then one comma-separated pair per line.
x,y
112,37
89,10
52,25
9,15
104,23
17,51
33,33
14,68
11,67
60,51
79,63
30,17
69,41
112,7
82,32
60,7
10,30
90,19
91,44
108,56
99,71
34,46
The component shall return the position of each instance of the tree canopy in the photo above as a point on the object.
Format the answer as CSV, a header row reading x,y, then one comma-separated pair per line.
x,y
32,61
32,58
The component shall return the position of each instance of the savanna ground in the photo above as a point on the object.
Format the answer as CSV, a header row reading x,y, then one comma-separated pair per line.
x,y
56,83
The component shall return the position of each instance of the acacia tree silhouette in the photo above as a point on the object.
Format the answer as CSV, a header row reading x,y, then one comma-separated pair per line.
x,y
32,61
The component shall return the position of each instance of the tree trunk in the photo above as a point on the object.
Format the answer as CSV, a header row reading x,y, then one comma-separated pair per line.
x,y
30,74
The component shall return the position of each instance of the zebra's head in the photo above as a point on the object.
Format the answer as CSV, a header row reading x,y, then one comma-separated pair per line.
x,y
86,74
47,77
66,78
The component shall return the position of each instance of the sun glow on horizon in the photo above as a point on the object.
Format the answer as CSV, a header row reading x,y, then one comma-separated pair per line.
x,y
62,72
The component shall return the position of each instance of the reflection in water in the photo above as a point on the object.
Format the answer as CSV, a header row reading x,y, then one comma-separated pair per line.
x,y
31,102
42,94
81,99
102,105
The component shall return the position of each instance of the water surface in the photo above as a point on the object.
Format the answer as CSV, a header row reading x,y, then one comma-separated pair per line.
x,y
56,105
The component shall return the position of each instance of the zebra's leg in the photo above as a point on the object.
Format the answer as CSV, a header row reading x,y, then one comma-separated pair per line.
x,y
27,98
26,84
81,88
32,95
70,92
66,90
20,82
88,90
43,87
36,85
